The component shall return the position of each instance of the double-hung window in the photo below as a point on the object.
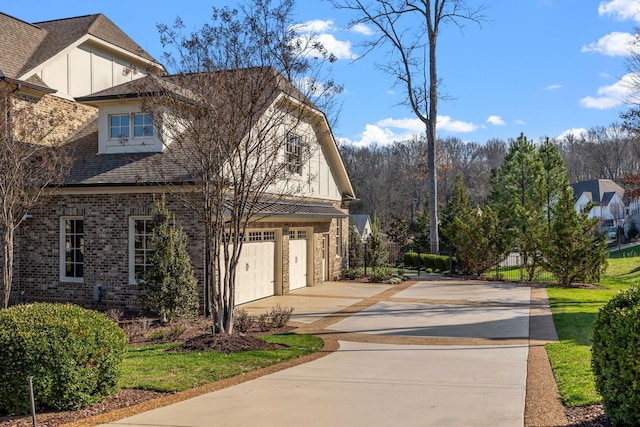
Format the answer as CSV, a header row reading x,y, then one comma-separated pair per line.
x,y
123,126
294,154
339,237
140,249
72,249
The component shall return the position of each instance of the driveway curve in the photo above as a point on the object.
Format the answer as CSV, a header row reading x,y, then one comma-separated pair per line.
x,y
423,353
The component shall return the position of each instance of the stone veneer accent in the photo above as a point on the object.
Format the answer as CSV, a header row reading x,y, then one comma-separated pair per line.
x,y
71,115
106,231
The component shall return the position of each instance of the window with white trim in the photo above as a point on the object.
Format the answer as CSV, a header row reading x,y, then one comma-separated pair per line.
x,y
122,126
140,249
294,154
72,249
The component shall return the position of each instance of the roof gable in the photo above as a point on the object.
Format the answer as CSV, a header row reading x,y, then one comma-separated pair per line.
x,y
24,46
598,190
18,43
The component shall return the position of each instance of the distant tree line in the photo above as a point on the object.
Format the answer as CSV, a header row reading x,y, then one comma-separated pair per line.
x,y
392,180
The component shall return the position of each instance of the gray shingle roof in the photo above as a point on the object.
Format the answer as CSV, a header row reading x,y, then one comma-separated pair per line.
x,y
599,190
91,169
24,46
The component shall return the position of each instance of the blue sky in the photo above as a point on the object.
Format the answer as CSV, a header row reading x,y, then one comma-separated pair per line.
x,y
538,67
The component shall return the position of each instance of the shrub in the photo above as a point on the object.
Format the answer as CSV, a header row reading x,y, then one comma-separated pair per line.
x,y
277,317
380,275
280,316
242,320
411,258
353,273
73,354
616,356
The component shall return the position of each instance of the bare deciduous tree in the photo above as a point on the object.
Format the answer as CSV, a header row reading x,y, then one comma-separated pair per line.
x,y
411,29
235,122
32,159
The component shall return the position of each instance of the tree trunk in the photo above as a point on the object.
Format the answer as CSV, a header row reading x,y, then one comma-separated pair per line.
x,y
7,265
434,238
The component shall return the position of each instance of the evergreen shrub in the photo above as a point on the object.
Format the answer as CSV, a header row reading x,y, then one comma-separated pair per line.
x,y
616,357
73,355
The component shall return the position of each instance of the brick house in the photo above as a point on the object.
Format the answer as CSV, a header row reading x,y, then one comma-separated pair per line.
x,y
85,242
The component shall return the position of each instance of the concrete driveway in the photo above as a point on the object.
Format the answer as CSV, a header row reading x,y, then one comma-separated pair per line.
x,y
427,353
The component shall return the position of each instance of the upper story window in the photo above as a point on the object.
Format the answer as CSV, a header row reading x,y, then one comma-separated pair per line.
x,y
72,249
294,154
122,126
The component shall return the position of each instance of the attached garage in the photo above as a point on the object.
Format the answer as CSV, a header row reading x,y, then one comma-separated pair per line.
x,y
297,259
256,267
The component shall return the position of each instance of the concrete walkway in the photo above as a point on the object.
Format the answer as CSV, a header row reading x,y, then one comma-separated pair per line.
x,y
426,353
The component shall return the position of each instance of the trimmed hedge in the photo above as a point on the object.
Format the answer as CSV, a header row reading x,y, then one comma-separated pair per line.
x,y
427,261
616,357
73,354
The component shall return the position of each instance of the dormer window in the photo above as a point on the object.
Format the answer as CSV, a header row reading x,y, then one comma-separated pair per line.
x,y
122,126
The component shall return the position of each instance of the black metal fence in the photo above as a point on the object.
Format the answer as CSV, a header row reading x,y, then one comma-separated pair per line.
x,y
514,267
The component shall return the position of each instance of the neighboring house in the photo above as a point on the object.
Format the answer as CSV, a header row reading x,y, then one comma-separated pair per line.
x,y
362,222
607,196
87,240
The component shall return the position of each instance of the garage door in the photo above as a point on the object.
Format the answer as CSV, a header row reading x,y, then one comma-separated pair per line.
x,y
297,259
255,271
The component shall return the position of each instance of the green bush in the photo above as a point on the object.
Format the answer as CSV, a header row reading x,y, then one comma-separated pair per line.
x,y
353,273
616,357
411,259
73,354
381,274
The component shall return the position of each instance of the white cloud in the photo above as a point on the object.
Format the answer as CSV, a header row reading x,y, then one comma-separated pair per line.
x,y
620,9
495,120
362,29
447,124
614,44
318,31
553,87
575,132
315,26
520,122
387,131
376,135
610,96
414,125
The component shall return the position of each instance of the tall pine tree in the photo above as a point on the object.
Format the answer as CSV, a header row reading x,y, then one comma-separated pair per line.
x,y
518,194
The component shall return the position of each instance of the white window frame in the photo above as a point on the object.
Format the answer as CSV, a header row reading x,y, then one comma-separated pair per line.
x,y
132,248
293,153
338,237
63,249
132,126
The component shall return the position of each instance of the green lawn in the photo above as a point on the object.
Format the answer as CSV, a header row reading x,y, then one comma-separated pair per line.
x,y
159,368
574,313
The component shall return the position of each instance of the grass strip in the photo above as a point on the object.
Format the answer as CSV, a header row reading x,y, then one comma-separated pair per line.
x,y
574,313
156,367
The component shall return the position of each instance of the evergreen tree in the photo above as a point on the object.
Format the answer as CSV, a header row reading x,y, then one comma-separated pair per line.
x,y
421,240
377,255
481,239
518,194
168,284
555,177
356,249
574,253
459,205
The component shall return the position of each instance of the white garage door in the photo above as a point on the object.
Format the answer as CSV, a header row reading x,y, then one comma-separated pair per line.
x,y
297,259
255,271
